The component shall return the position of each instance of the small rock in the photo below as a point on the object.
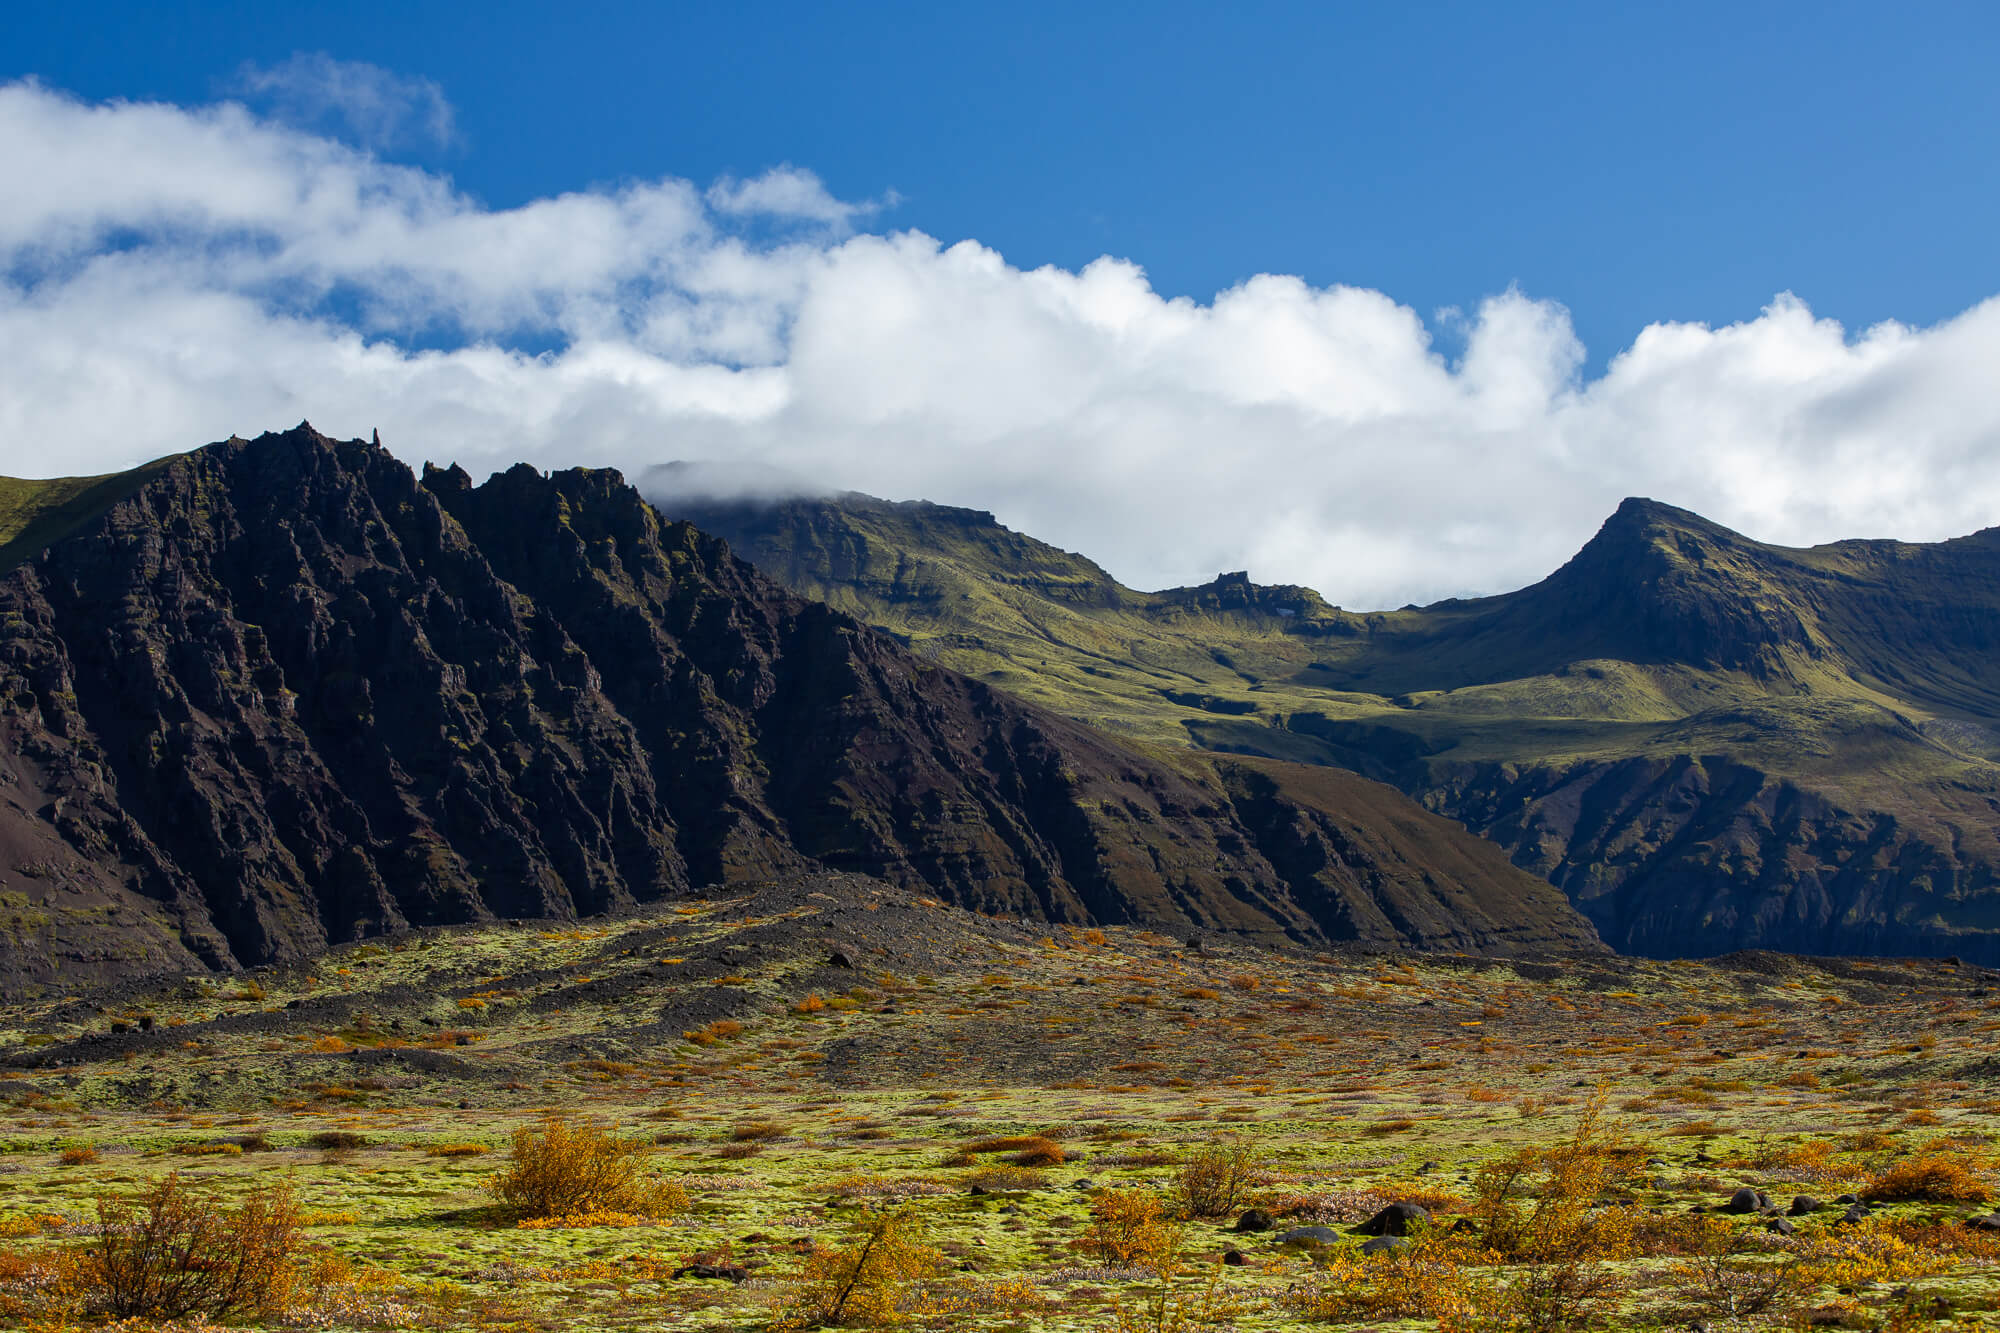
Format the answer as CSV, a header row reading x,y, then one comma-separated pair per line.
x,y
1985,1222
1255,1219
1847,1198
727,1272
1851,1216
838,958
1803,1204
1384,1244
1235,1258
1784,1226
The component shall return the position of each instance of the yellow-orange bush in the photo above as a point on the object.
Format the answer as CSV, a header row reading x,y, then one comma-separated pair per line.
x,y
1024,1149
1538,1203
861,1283
1851,1256
570,1168
1427,1279
1931,1177
175,1253
1129,1227
1814,1159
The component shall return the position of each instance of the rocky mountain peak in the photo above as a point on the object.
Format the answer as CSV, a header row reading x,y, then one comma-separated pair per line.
x,y
281,693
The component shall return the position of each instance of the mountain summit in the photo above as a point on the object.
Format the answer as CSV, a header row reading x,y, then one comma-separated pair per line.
x,y
279,693
1708,742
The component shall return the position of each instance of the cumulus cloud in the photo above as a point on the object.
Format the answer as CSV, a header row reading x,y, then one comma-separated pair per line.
x,y
187,273
372,106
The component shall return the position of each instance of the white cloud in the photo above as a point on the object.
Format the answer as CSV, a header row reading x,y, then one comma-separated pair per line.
x,y
375,107
787,192
184,274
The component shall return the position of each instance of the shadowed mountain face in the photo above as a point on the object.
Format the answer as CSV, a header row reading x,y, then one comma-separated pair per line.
x,y
1709,743
286,692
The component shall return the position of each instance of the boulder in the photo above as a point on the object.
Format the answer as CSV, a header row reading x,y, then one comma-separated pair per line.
x,y
726,1272
1383,1244
1745,1200
1309,1236
1395,1220
1255,1219
1784,1226
1803,1204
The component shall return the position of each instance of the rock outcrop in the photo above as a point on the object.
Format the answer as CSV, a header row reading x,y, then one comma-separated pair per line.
x,y
287,692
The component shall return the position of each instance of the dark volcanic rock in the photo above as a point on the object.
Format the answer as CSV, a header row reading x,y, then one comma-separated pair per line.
x,y
1746,1200
1394,1220
286,693
1314,1235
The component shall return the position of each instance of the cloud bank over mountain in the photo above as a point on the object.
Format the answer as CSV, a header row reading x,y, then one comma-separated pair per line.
x,y
176,274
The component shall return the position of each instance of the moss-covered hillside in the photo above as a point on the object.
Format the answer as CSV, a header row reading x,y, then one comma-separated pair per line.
x,y
1707,741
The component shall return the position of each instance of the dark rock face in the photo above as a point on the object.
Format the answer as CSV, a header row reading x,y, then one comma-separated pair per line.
x,y
1697,855
288,693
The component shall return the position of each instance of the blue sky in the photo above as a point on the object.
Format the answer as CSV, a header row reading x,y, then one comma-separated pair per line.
x,y
1635,162
1397,301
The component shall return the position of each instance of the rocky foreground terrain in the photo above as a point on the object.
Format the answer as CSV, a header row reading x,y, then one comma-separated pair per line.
x,y
1069,1128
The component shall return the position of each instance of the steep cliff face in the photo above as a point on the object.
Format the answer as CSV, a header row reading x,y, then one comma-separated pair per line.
x,y
1709,742
286,692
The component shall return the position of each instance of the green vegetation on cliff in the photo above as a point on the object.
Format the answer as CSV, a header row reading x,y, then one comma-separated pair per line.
x,y
1709,742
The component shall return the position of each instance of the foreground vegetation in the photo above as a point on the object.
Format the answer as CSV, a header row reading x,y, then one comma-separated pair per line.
x,y
793,1112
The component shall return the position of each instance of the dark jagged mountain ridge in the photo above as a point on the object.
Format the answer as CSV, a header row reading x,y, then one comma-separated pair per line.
x,y
285,692
1710,743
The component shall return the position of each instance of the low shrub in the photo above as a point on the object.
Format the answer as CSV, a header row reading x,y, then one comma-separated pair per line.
x,y
1129,1228
1214,1181
1007,1178
861,1283
1424,1280
173,1253
1931,1177
570,1168
1538,1204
